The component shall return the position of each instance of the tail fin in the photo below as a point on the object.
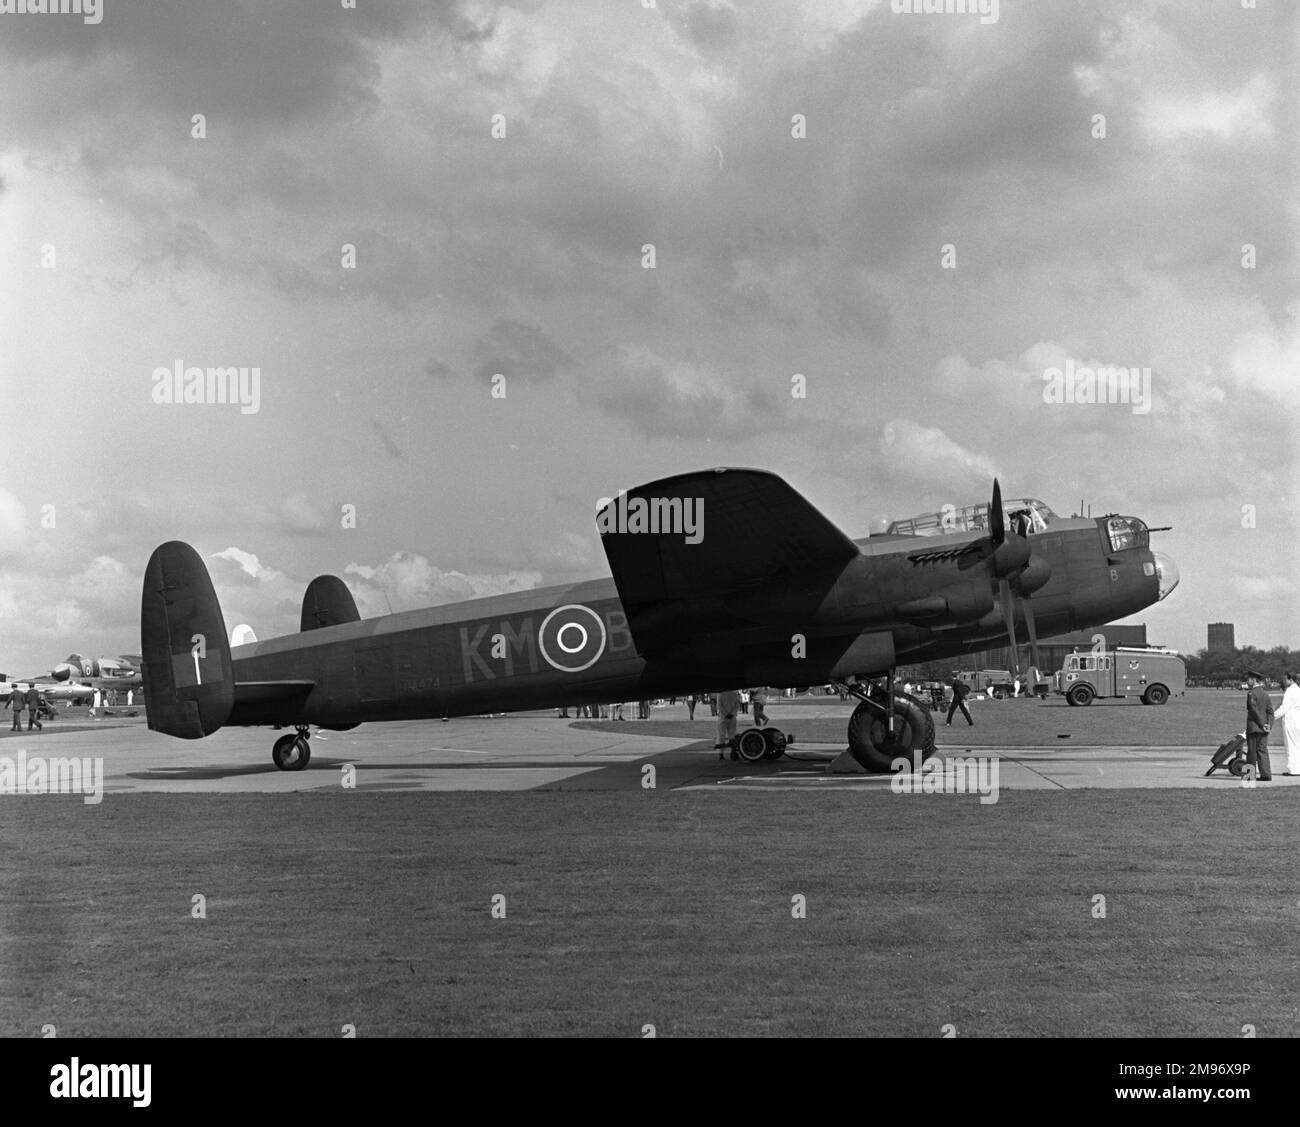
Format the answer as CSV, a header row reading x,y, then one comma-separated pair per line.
x,y
189,683
327,603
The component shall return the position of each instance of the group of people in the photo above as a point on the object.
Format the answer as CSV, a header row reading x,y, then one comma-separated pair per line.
x,y
1260,715
605,711
34,701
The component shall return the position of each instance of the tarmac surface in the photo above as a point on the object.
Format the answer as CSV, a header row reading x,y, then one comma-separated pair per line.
x,y
539,751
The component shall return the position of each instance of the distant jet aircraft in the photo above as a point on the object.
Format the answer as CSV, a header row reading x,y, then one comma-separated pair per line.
x,y
99,672
766,591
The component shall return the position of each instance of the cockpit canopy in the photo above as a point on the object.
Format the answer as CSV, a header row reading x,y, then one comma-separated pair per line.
x,y
1126,532
1027,514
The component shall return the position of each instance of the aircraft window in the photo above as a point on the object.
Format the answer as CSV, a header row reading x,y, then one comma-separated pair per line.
x,y
1126,533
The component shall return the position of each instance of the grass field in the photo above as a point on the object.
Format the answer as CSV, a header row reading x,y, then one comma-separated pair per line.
x,y
626,909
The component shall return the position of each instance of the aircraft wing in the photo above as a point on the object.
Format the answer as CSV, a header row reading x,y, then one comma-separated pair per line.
x,y
752,531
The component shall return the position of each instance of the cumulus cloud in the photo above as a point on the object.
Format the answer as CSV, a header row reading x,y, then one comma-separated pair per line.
x,y
249,564
408,580
1245,112
932,456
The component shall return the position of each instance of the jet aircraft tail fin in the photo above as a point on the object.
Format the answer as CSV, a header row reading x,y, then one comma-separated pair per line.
x,y
189,683
327,603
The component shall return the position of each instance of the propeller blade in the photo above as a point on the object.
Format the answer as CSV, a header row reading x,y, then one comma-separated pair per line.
x,y
1009,617
1033,635
997,522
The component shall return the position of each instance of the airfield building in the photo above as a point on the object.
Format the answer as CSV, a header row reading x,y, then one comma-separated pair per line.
x,y
1221,637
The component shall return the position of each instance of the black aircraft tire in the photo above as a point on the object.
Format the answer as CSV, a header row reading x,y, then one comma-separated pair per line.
x,y
867,743
751,746
289,757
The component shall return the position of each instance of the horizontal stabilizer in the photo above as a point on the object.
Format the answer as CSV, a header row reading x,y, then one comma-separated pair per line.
x,y
189,684
327,602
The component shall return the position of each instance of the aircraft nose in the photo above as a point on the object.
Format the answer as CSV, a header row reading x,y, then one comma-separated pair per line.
x,y
1166,573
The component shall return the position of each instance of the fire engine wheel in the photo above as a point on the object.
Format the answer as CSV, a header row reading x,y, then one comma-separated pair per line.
x,y
875,750
751,746
1080,695
1155,694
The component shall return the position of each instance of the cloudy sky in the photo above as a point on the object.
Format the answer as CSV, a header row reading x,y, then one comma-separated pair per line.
x,y
798,168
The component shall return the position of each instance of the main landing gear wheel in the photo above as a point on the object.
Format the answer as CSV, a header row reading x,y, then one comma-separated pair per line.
x,y
875,749
751,746
292,752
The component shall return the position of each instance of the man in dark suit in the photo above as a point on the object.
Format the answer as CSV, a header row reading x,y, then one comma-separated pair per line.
x,y
34,709
15,702
1259,721
959,691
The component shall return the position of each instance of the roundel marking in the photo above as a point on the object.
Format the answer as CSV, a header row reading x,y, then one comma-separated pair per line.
x,y
571,638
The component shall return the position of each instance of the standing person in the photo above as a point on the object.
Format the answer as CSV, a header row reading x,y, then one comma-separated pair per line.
x,y
759,698
728,706
744,701
16,703
1259,720
690,705
34,709
959,691
1289,713
618,711
713,704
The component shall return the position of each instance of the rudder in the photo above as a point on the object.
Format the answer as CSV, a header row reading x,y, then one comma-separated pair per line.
x,y
189,683
327,602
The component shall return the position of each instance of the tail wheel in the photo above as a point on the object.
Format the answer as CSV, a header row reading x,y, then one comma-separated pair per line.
x,y
751,745
1155,694
291,752
872,746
